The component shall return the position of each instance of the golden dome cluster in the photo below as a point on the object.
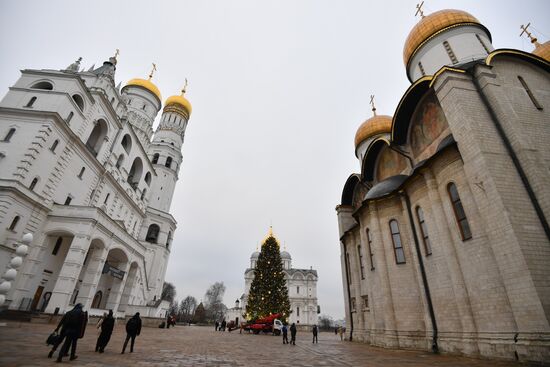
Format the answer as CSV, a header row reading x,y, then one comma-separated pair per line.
x,y
148,85
431,25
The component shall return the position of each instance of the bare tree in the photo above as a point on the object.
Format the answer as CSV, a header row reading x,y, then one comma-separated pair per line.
x,y
325,322
168,292
214,301
187,308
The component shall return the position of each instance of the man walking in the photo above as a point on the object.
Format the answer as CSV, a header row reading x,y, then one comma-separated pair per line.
x,y
293,334
315,331
285,334
73,323
106,330
133,328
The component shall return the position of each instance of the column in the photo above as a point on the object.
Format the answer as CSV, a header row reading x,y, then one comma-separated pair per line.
x,y
128,288
91,277
68,276
116,290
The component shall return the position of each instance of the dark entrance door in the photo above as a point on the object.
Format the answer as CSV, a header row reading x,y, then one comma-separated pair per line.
x,y
36,298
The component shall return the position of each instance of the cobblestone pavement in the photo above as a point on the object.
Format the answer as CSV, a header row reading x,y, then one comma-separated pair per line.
x,y
23,344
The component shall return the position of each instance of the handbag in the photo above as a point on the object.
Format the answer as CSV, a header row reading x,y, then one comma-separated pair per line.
x,y
53,338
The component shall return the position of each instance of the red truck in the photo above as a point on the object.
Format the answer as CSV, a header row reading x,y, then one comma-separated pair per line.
x,y
269,324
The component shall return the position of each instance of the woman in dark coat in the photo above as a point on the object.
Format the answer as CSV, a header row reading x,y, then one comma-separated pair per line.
x,y
106,330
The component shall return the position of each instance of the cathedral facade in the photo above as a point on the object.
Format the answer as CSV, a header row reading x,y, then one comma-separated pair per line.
x,y
444,233
82,170
302,290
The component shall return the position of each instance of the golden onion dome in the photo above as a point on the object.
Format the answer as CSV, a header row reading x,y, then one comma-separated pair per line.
x,y
543,51
431,25
179,100
147,84
378,124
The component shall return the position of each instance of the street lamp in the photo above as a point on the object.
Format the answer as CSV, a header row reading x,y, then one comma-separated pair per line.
x,y
15,263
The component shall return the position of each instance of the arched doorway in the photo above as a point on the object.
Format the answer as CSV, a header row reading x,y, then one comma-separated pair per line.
x,y
97,299
112,279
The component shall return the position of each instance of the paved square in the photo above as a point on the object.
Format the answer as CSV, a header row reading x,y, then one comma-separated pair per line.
x,y
23,344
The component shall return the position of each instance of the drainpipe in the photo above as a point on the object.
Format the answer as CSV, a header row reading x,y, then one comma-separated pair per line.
x,y
435,348
512,153
349,291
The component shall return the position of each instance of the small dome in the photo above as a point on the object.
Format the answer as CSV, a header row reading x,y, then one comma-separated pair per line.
x,y
543,51
377,124
285,255
255,255
179,100
147,84
432,25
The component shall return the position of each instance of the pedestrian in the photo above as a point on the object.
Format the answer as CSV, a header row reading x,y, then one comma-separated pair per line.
x,y
285,334
168,322
98,327
293,334
133,328
315,331
336,330
107,327
223,325
217,325
74,324
341,332
60,337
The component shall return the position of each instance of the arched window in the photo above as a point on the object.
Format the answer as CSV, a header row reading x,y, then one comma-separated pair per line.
x,y
57,245
119,161
148,178
79,101
31,102
152,233
97,299
126,143
97,137
70,117
81,172
33,183
423,230
349,267
9,134
361,266
169,239
135,172
460,214
106,198
397,244
155,158
143,193
168,162
371,256
43,85
14,222
54,145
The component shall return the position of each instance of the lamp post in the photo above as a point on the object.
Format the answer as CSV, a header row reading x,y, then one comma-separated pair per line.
x,y
15,263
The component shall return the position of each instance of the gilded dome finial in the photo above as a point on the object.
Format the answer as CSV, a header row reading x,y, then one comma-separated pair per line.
x,y
152,71
529,34
184,89
372,104
419,10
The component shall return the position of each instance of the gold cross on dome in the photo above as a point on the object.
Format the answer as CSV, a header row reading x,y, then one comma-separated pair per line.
x,y
529,34
419,10
372,104
153,71
184,87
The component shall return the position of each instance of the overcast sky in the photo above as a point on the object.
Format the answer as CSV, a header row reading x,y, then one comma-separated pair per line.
x,y
278,90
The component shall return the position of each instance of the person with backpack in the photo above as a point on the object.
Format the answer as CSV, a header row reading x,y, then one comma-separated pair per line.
x,y
133,328
293,334
107,327
74,324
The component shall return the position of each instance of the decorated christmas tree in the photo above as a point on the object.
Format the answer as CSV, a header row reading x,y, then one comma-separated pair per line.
x,y
268,292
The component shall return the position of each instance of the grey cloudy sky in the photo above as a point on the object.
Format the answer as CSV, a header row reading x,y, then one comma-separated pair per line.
x,y
278,90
